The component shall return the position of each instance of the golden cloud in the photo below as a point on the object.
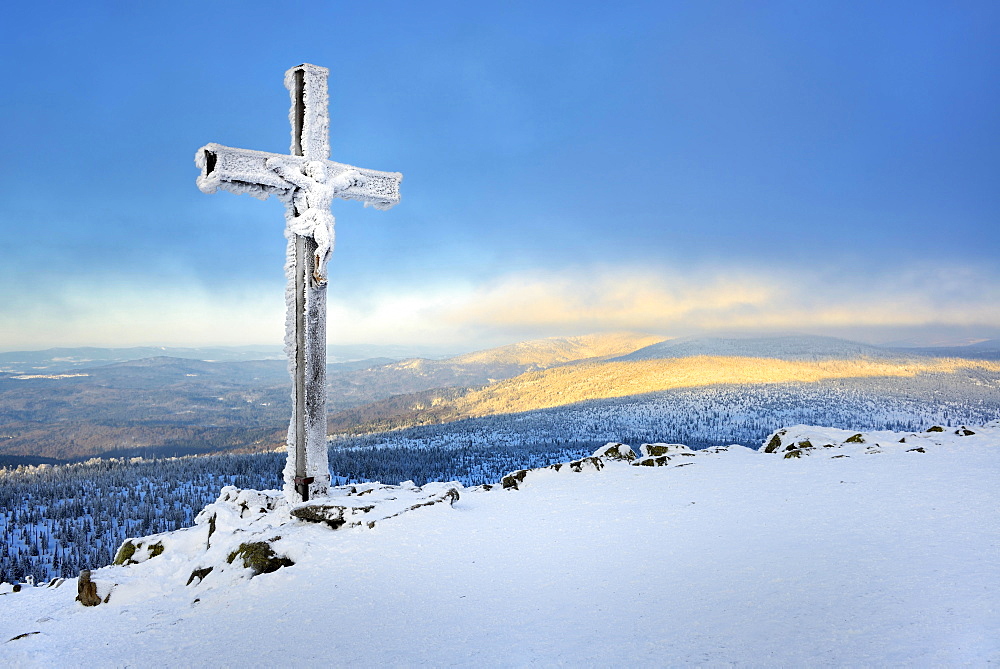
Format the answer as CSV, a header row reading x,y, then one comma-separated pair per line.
x,y
661,300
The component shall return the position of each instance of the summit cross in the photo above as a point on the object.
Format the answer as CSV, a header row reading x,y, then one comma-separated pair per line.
x,y
306,181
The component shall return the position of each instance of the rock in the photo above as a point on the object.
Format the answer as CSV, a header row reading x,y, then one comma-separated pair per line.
x,y
199,574
334,516
935,428
652,461
259,557
511,481
964,432
856,439
450,495
592,463
775,442
615,451
86,590
343,508
792,450
123,556
211,531
647,450
235,508
134,551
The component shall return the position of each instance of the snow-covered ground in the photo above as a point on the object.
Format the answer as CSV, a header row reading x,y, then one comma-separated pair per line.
x,y
887,556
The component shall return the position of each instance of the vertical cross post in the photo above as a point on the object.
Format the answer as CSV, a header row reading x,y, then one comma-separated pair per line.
x,y
307,85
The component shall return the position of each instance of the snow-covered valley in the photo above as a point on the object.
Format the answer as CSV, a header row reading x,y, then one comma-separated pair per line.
x,y
832,549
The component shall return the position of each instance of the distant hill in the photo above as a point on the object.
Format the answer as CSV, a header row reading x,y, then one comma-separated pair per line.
x,y
792,347
541,353
161,406
57,360
983,350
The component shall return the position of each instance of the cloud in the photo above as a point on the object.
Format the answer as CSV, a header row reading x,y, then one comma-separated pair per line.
x,y
523,305
667,301
605,298
131,314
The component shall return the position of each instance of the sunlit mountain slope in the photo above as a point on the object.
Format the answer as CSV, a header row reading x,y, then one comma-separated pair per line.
x,y
564,385
688,362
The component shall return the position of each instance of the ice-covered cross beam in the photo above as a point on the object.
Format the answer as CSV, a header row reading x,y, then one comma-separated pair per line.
x,y
306,181
245,171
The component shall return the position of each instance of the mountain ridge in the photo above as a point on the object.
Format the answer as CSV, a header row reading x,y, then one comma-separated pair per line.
x,y
169,406
780,347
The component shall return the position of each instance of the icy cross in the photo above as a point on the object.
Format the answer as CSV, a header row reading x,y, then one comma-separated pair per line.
x,y
306,182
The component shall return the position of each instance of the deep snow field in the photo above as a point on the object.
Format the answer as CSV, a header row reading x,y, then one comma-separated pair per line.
x,y
860,553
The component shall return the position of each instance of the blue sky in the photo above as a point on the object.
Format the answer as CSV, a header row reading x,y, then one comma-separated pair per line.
x,y
570,167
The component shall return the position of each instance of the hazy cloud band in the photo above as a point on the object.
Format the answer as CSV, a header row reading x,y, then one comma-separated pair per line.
x,y
519,305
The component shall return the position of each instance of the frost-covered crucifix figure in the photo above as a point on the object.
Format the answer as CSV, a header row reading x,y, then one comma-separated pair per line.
x,y
306,182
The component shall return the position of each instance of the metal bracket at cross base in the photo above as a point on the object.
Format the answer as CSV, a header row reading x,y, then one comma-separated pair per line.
x,y
302,486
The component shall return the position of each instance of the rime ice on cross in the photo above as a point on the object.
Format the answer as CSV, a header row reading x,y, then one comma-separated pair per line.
x,y
306,182
316,191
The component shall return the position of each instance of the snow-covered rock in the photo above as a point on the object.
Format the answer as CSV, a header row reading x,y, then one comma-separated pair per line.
x,y
615,451
652,461
647,450
515,480
809,440
246,533
660,455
